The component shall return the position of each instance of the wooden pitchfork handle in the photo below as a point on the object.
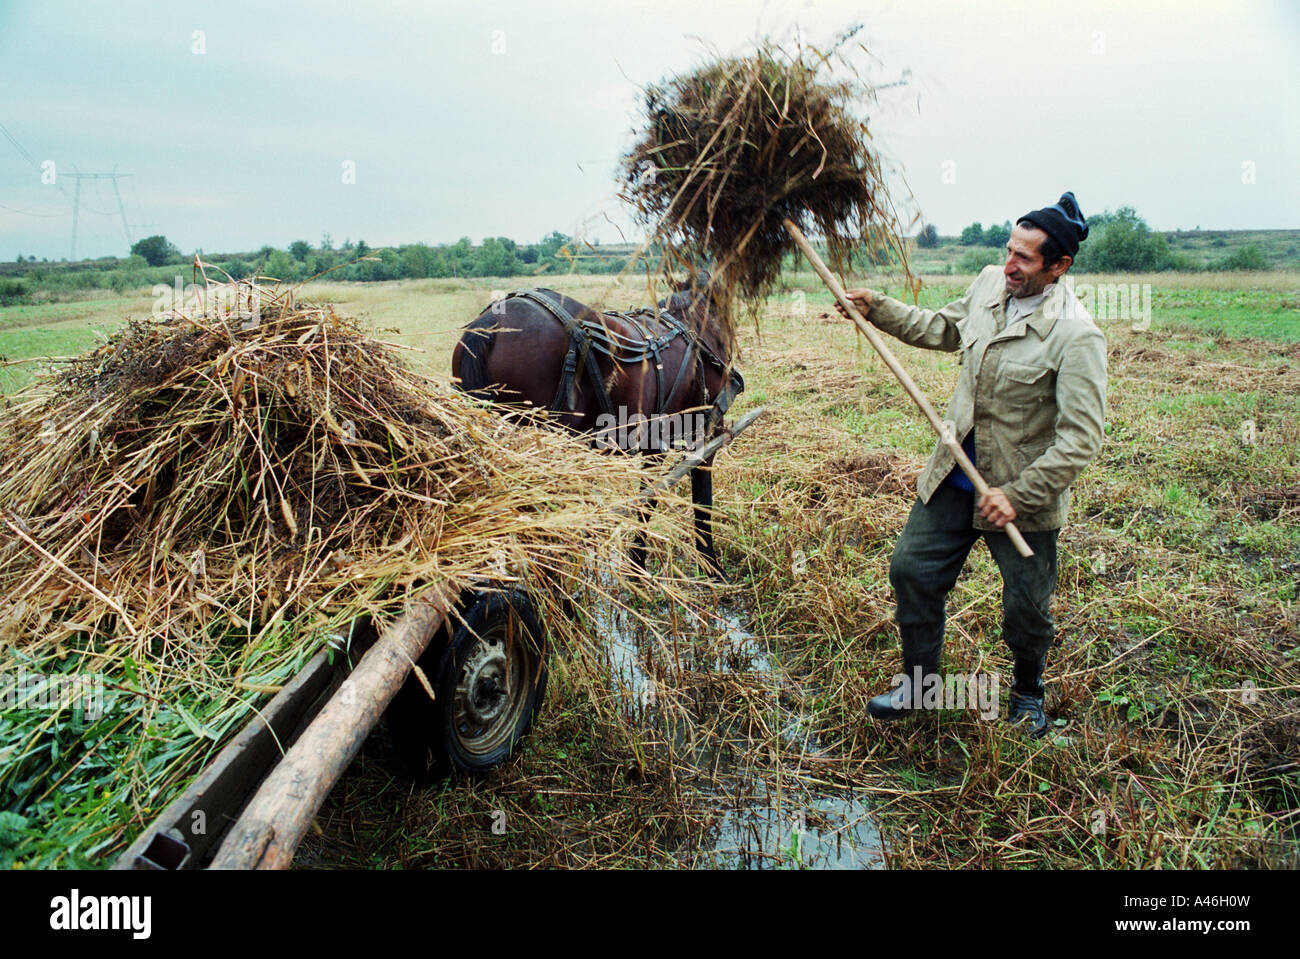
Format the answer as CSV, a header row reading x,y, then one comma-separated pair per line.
x,y
945,434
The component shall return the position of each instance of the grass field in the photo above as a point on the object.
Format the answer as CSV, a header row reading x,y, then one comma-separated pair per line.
x,y
1174,685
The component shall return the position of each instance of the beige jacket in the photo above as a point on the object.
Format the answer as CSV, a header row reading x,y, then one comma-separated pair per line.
x,y
1035,392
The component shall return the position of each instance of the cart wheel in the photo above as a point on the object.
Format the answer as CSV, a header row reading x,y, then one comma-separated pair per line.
x,y
488,680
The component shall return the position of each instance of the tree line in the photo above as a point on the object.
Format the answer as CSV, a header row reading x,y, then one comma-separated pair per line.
x,y
155,259
1119,241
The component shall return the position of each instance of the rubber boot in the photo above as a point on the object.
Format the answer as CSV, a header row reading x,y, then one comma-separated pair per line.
x,y
906,696
1027,698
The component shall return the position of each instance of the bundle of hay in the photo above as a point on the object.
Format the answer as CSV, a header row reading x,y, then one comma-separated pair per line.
x,y
730,150
192,509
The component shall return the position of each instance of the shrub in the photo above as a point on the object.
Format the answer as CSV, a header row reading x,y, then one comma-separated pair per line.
x,y
975,260
237,268
13,292
1121,242
1247,258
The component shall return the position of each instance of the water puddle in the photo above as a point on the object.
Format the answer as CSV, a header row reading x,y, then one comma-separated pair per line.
x,y
804,825
819,832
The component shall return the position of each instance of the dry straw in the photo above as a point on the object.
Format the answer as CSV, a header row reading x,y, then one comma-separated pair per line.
x,y
193,507
728,151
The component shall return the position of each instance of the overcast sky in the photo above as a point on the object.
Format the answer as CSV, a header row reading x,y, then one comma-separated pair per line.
x,y
240,121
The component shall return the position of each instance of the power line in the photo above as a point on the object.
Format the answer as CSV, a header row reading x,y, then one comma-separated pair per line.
x,y
76,204
76,197
19,147
29,212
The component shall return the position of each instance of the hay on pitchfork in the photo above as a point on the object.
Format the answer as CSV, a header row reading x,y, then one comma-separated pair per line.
x,y
192,509
729,150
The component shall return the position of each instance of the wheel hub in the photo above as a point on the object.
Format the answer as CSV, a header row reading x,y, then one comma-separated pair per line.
x,y
486,685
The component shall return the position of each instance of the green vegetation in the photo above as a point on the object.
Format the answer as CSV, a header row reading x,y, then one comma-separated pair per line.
x,y
156,250
1173,687
1119,242
155,260
1122,242
996,236
975,260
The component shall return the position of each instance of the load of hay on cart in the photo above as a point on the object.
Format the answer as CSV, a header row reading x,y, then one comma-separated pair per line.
x,y
238,535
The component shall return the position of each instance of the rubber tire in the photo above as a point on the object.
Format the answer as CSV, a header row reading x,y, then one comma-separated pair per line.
x,y
423,730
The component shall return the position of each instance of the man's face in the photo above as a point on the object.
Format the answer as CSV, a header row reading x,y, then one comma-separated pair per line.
x,y
1024,270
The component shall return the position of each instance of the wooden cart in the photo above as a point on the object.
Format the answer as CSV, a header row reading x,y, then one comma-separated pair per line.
x,y
460,677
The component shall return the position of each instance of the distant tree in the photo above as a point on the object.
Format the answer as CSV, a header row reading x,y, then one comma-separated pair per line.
x,y
552,244
928,238
237,268
360,249
973,235
324,260
420,261
495,258
283,267
383,264
155,250
265,253
998,235
1121,242
299,250
326,242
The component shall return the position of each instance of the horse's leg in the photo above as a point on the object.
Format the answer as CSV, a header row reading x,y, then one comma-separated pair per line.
x,y
643,513
702,497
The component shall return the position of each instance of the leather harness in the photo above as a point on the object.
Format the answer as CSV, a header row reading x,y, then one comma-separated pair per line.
x,y
588,334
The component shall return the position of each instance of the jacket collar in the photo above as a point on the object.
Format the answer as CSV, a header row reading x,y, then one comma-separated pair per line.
x,y
1042,319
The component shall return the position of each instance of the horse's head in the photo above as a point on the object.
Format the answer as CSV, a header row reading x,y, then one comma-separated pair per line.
x,y
700,303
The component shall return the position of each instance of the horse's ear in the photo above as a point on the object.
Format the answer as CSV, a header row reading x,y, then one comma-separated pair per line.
x,y
695,280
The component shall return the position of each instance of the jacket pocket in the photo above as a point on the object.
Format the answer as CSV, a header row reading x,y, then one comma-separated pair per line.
x,y
1023,373
1031,451
1028,393
966,330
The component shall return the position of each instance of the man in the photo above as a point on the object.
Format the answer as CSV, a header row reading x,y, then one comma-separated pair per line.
x,y
1029,409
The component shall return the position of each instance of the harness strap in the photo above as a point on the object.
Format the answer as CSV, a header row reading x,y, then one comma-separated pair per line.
x,y
575,360
588,335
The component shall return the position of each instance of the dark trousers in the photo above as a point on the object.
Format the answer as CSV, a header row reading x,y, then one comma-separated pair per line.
x,y
927,560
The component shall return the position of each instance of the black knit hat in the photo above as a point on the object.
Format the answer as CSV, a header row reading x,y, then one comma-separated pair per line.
x,y
1062,221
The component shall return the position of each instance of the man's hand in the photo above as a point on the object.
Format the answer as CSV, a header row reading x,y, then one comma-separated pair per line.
x,y
996,508
861,300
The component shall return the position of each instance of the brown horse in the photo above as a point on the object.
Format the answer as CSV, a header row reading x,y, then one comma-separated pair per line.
x,y
641,382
